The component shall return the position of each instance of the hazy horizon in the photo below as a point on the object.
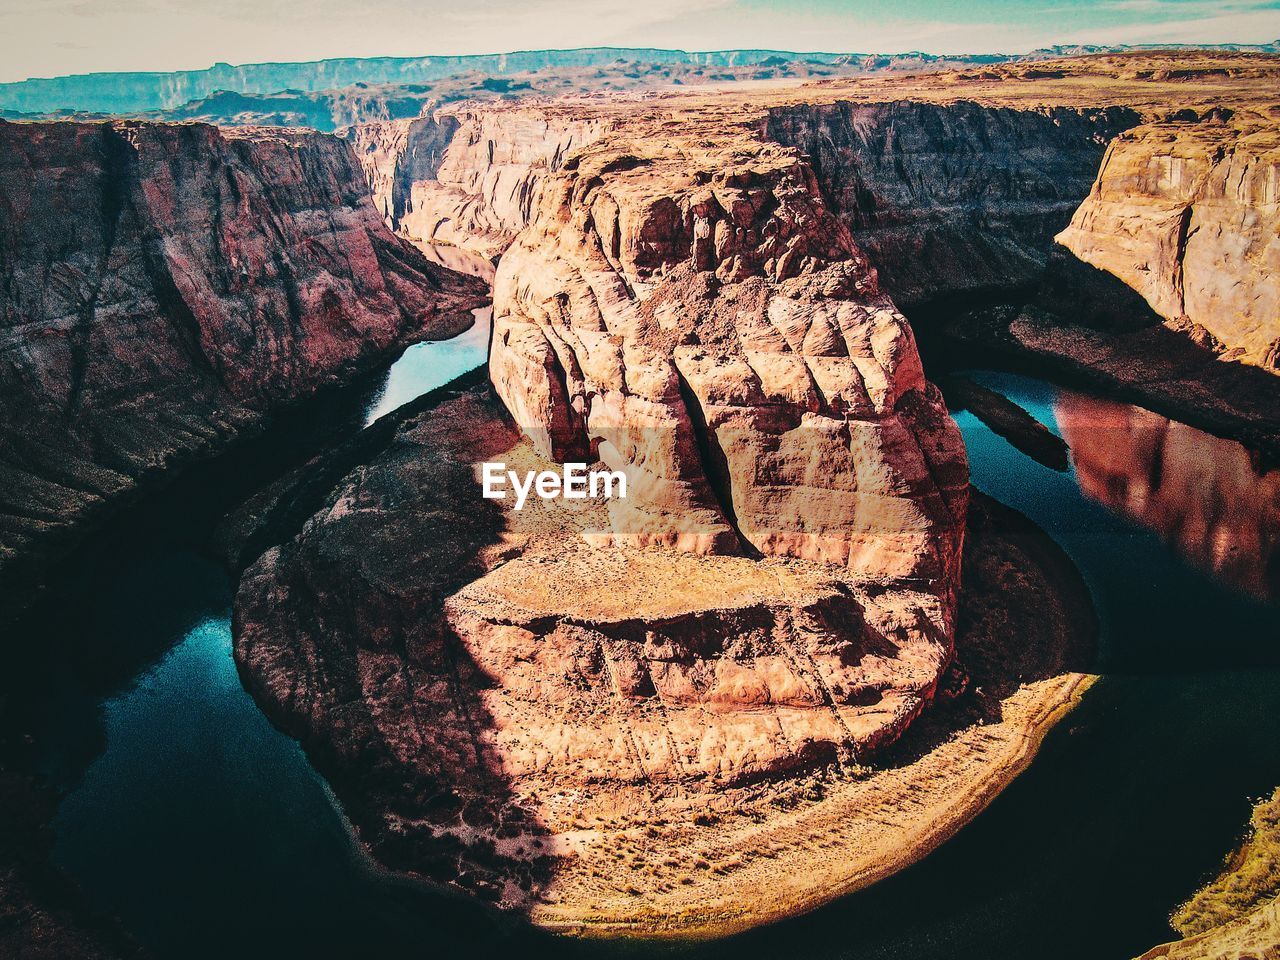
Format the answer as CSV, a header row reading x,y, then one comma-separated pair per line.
x,y
58,37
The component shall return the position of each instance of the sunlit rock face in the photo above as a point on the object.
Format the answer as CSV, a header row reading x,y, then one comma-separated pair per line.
x,y
1212,500
691,313
163,289
1188,214
462,178
774,595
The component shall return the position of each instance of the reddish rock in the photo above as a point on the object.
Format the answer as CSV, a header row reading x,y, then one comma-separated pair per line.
x,y
165,288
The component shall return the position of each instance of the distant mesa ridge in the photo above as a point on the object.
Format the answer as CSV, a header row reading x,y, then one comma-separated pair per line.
x,y
130,92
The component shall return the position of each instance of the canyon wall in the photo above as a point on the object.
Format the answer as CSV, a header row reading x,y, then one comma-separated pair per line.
x,y
462,177
951,198
395,154
164,288
675,301
1188,215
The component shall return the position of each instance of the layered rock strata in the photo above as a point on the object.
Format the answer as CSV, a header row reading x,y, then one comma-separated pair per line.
x,y
1188,215
541,704
164,289
634,741
463,176
692,314
773,598
952,198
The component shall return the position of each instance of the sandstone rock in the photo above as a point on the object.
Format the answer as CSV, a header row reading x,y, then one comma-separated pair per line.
x,y
458,178
1255,936
1186,214
504,708
693,314
950,198
502,697
164,289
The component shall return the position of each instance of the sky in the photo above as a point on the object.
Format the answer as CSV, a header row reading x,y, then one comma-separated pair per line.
x,y
53,37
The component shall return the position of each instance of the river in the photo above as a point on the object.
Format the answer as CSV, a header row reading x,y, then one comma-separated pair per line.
x,y
208,833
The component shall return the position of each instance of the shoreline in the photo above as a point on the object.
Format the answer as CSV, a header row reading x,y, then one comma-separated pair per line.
x,y
1225,398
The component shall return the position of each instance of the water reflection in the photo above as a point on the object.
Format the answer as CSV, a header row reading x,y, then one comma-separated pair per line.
x,y
1210,500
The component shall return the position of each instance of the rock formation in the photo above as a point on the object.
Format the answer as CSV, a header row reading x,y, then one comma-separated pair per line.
x,y
1188,214
1254,936
675,301
463,176
681,296
165,288
632,740
952,198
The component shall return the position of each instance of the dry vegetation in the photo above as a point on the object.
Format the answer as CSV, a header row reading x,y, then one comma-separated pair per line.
x,y
1251,877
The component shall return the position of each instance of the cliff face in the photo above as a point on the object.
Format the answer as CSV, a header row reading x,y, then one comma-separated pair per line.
x,y
693,314
1188,214
164,289
488,180
395,154
950,198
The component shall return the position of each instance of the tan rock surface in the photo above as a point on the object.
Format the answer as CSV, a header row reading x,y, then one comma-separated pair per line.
x,y
1188,214
635,741
1255,936
529,708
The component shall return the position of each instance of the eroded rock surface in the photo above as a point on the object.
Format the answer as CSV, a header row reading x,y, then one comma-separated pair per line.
x,y
463,178
952,198
1188,214
622,740
692,314
164,289
514,701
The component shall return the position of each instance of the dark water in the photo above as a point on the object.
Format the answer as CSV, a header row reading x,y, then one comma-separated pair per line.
x,y
207,832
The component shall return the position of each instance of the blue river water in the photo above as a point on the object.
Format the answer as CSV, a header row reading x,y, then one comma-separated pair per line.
x,y
208,833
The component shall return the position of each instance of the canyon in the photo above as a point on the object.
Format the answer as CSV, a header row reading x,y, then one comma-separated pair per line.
x,y
801,652
166,290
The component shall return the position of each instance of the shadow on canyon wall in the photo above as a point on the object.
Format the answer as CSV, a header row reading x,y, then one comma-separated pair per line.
x,y
1082,327
341,638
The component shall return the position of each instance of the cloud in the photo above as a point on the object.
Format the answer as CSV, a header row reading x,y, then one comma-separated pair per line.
x,y
1262,26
